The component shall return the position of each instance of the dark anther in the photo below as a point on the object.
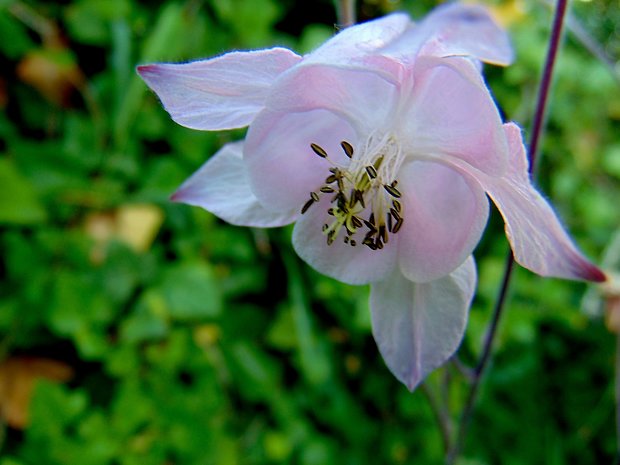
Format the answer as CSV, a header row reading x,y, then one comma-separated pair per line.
x,y
318,150
347,148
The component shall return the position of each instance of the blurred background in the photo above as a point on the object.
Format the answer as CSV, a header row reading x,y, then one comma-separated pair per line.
x,y
138,331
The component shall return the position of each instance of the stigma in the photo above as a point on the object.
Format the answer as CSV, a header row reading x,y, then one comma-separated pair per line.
x,y
365,202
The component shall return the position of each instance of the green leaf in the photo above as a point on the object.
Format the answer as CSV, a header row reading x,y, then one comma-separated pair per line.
x,y
18,199
150,319
191,292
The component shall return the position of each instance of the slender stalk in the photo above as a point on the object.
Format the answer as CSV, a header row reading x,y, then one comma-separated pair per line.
x,y
617,461
441,415
537,126
346,13
470,402
545,83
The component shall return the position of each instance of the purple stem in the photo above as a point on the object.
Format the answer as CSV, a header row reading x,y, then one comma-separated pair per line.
x,y
537,126
346,13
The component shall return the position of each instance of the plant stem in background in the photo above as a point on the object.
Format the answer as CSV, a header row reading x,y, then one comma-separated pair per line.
x,y
346,13
537,126
617,396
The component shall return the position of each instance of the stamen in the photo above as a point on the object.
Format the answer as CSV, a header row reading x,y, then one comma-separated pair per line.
x,y
371,227
357,222
397,226
320,151
372,172
307,205
358,196
355,187
392,190
383,233
347,148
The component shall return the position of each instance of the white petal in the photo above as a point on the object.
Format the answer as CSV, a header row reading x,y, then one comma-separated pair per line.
x,y
222,187
538,240
344,262
452,114
444,217
455,29
418,326
225,92
359,41
363,97
282,167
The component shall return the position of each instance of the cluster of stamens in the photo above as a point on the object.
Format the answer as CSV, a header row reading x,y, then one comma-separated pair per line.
x,y
349,189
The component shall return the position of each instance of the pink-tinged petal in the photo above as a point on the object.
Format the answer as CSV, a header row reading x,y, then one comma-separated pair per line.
x,y
455,29
344,262
222,187
538,240
444,216
359,41
452,114
418,326
362,97
220,93
283,168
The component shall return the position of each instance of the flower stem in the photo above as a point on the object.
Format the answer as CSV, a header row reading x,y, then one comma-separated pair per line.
x,y
545,83
470,402
617,396
441,415
537,126
346,13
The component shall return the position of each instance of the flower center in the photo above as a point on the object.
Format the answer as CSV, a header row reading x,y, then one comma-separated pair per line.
x,y
365,196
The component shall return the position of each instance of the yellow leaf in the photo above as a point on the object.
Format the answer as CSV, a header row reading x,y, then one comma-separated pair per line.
x,y
137,225
18,376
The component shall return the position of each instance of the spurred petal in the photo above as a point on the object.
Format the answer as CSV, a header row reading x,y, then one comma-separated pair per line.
x,y
361,39
452,114
221,186
538,240
455,29
444,216
418,326
283,168
342,261
220,93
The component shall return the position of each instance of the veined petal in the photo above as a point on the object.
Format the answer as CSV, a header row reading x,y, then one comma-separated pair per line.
x,y
538,240
363,97
455,29
282,167
222,187
359,41
452,114
344,262
220,93
418,326
444,217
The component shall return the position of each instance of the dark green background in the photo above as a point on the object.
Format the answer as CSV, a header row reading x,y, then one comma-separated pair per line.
x,y
216,344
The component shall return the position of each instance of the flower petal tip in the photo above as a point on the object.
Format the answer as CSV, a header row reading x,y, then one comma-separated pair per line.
x,y
143,70
412,384
178,196
593,273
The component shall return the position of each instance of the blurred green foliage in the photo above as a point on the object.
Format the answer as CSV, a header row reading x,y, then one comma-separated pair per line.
x,y
196,342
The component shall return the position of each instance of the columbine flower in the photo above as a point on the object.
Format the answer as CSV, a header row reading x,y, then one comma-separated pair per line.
x,y
382,145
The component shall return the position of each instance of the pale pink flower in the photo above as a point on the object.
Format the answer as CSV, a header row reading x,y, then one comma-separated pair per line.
x,y
382,145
